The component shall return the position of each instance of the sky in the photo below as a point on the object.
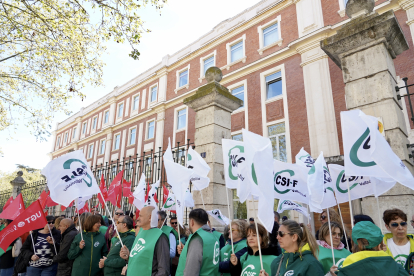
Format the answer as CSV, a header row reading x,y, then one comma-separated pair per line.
x,y
181,23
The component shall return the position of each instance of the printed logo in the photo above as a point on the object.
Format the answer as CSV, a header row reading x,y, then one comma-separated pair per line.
x,y
21,224
281,179
343,179
340,263
236,164
247,271
216,256
96,244
290,203
169,203
401,259
289,273
363,142
217,213
76,173
137,247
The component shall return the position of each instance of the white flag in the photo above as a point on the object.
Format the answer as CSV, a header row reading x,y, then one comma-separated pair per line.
x,y
329,197
290,205
234,160
304,159
217,215
290,182
82,201
260,150
188,201
139,193
169,204
179,178
366,152
152,194
315,185
200,168
69,177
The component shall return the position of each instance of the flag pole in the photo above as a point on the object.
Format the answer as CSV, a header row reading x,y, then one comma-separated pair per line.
x,y
116,229
50,231
201,193
34,249
163,222
330,235
379,215
350,205
231,232
257,233
79,221
343,225
179,237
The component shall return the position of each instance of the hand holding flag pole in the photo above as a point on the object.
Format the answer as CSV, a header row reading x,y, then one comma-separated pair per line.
x,y
50,231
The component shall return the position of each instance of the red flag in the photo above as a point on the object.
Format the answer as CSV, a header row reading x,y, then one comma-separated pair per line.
x,y
46,213
165,194
15,209
63,208
32,218
104,192
115,190
131,198
137,213
126,188
49,202
84,209
42,198
10,200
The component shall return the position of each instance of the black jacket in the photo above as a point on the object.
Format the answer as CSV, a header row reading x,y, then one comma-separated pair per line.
x,y
7,260
64,264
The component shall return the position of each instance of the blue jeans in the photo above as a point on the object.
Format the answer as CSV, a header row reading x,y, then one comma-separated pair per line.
x,y
6,272
42,271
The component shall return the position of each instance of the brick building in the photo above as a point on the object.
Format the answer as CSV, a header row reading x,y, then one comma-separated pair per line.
x,y
270,58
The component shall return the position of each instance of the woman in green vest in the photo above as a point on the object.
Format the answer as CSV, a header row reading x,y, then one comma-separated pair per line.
x,y
88,252
325,246
300,252
249,263
238,230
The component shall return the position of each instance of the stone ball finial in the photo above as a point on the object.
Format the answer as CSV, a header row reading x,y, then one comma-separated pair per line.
x,y
214,74
19,173
359,6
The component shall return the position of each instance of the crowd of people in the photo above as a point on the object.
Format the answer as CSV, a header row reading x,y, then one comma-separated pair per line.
x,y
92,244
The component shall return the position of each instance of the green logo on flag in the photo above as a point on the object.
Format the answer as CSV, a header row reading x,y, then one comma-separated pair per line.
x,y
284,181
341,179
78,172
189,158
236,158
353,155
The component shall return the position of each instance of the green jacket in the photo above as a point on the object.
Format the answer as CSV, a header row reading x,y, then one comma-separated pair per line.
x,y
401,259
293,264
103,229
87,259
114,263
371,263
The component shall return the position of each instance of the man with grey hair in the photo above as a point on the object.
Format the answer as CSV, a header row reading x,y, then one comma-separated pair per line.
x,y
68,230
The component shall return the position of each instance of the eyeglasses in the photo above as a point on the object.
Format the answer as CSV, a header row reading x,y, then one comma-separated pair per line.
x,y
173,222
412,221
50,222
395,224
118,222
282,234
323,217
118,214
234,230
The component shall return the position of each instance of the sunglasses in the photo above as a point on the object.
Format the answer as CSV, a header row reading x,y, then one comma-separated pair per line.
x,y
395,224
412,221
50,222
323,217
173,222
282,234
235,230
136,226
118,214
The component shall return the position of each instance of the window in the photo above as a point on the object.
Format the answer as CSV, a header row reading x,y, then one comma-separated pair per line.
x,y
117,139
274,85
181,118
154,93
95,120
74,133
102,151
90,151
278,138
208,63
58,142
151,127
183,78
270,35
236,51
84,128
106,120
239,93
120,110
136,103
240,209
114,170
132,136
237,137
147,167
66,138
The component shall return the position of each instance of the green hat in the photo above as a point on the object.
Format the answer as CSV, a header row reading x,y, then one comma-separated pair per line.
x,y
369,231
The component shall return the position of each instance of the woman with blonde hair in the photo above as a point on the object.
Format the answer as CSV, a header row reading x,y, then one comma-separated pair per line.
x,y
334,217
300,252
238,229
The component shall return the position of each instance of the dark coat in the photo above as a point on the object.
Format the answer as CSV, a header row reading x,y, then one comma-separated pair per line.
x,y
64,264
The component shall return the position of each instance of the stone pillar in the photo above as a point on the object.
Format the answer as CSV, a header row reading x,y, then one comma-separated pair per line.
x,y
17,184
112,110
213,104
364,49
159,137
108,147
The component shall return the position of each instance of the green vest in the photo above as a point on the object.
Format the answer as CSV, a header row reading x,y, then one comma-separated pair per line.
x,y
325,257
251,264
167,230
142,251
217,234
211,254
226,251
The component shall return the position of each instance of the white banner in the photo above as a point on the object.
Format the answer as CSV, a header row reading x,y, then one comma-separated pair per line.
x,y
316,187
200,169
152,194
69,177
304,159
290,182
169,204
329,195
218,215
139,193
290,205
234,159
188,201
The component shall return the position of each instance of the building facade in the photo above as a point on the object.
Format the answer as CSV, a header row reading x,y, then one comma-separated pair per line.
x,y
270,57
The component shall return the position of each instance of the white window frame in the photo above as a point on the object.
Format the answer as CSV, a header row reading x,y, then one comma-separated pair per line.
x,y
96,125
58,140
147,128
89,151
202,59
84,128
277,135
186,116
135,111
129,136
74,133
228,48
109,117
245,108
100,147
260,29
65,139
175,130
114,143
177,79
235,133
149,95
342,7
117,111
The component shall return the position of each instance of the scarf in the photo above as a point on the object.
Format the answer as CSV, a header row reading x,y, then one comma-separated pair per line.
x,y
326,245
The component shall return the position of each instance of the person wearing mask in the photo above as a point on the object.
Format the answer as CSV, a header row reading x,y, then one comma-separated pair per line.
x,y
218,235
150,247
68,232
41,260
7,258
249,263
88,251
300,252
368,258
325,246
113,263
201,253
110,232
239,230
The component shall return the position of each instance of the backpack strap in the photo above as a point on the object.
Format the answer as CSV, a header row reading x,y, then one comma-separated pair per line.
x,y
280,264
